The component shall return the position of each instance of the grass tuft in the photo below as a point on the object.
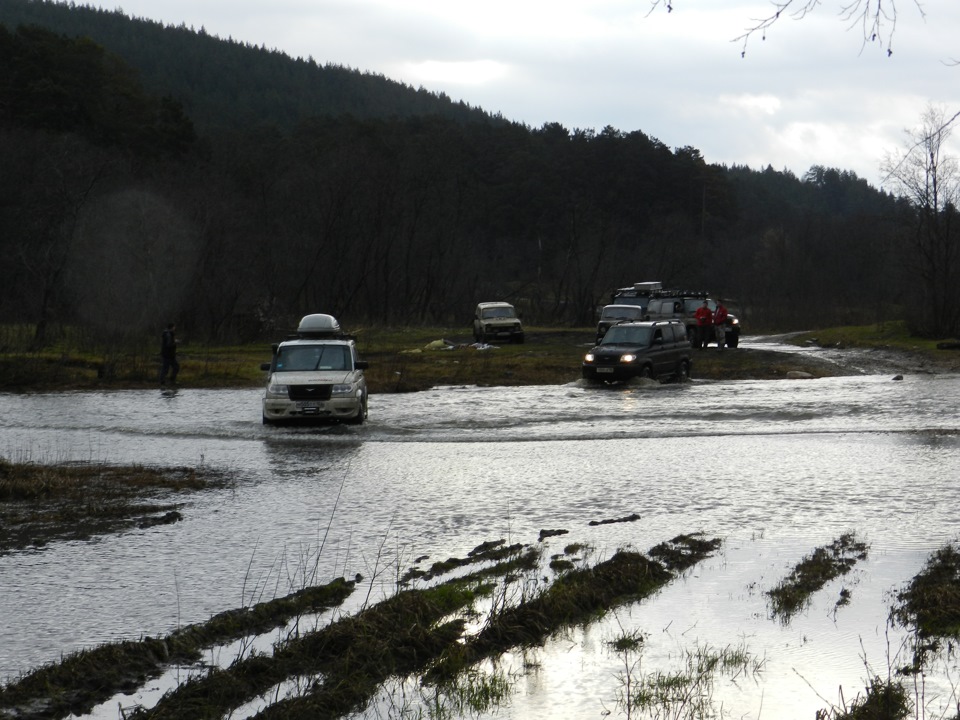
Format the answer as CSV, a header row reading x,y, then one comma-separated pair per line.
x,y
931,602
882,700
813,572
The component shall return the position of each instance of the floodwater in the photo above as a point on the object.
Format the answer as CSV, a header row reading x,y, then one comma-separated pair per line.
x,y
774,468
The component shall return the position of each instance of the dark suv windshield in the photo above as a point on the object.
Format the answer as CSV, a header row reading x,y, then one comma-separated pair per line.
x,y
690,305
621,313
626,335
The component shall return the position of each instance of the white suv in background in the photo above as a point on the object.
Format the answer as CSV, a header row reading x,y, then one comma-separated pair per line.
x,y
315,375
496,320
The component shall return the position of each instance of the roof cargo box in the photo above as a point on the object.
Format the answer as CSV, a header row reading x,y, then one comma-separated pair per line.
x,y
318,325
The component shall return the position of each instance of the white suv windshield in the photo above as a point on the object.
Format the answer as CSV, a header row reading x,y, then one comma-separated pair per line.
x,y
497,312
299,358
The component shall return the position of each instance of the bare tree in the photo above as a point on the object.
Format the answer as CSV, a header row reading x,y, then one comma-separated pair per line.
x,y
876,18
131,262
58,180
929,178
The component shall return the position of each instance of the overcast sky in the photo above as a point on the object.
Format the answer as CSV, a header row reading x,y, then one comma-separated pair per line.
x,y
810,94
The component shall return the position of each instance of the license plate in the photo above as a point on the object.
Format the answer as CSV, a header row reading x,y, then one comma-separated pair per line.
x,y
605,370
309,405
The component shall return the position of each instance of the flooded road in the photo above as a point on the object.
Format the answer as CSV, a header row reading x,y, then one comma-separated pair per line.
x,y
774,468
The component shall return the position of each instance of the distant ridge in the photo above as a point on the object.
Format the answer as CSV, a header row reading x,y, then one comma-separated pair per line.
x,y
228,84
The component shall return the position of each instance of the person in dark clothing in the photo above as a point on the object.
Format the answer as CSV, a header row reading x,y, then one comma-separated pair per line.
x,y
168,354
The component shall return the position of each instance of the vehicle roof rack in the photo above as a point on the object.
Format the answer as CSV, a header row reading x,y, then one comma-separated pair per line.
x,y
681,293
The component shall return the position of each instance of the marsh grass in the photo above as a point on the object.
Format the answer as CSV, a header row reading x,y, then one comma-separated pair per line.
x,y
42,503
479,690
687,692
930,603
576,596
684,551
929,606
473,692
341,667
83,679
350,659
813,572
881,700
496,551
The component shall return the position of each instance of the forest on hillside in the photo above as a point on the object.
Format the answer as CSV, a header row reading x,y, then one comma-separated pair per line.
x,y
132,195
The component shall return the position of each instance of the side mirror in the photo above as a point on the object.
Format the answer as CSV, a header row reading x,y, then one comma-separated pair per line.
x,y
361,365
265,367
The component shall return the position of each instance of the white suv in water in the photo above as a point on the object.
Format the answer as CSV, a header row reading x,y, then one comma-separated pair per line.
x,y
315,375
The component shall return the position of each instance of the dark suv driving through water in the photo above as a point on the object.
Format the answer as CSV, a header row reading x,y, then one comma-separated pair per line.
x,y
658,350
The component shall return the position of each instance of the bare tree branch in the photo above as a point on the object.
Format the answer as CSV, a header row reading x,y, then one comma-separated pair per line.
x,y
928,177
877,18
893,165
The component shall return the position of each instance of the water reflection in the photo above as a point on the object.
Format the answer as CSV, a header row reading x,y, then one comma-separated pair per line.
x,y
775,468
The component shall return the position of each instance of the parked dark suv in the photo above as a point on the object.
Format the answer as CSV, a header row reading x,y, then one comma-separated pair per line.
x,y
679,305
640,349
613,314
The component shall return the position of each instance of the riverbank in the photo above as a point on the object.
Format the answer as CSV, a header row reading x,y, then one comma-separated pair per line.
x,y
882,348
412,359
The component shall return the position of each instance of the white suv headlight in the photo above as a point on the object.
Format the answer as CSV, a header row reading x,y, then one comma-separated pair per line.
x,y
628,358
276,390
344,389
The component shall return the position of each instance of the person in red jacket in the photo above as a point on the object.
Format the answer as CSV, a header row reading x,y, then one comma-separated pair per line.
x,y
704,318
720,323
